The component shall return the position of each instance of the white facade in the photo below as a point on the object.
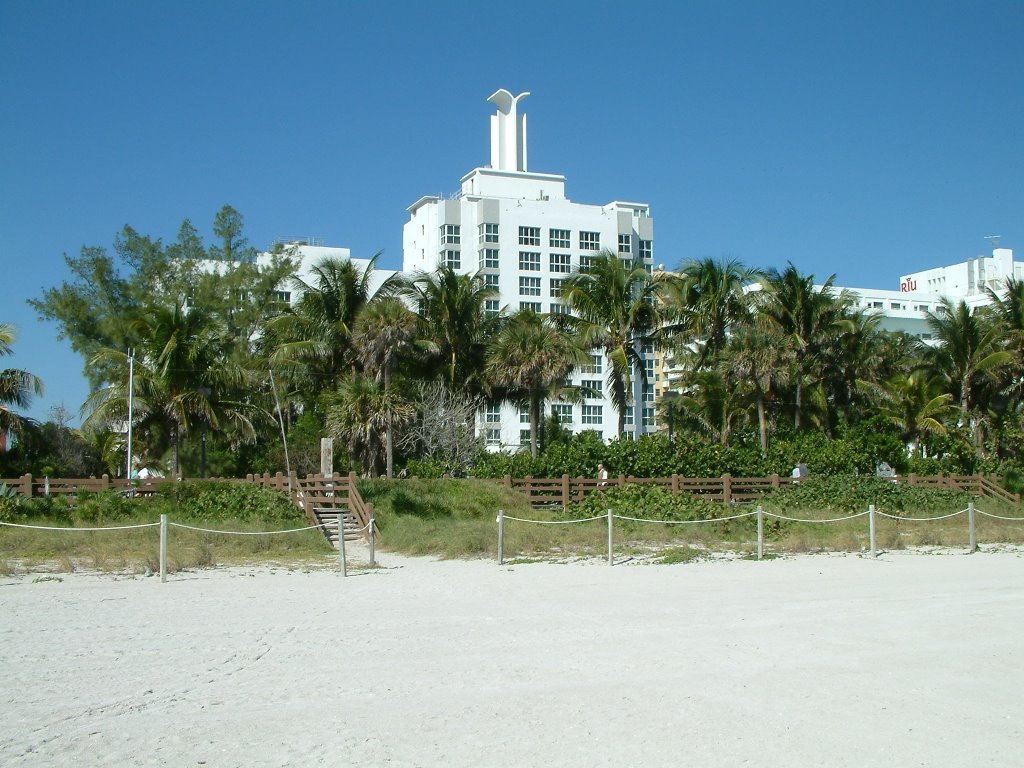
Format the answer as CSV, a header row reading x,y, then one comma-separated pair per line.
x,y
921,292
309,255
524,236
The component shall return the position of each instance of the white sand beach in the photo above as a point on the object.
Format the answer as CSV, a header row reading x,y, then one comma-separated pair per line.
x,y
913,659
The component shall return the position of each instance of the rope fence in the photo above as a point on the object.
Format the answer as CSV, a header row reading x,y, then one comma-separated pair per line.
x,y
164,525
871,513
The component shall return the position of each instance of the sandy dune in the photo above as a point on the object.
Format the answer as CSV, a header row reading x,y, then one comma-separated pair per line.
x,y
914,659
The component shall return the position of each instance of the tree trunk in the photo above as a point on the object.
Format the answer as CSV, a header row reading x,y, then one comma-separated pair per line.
x,y
796,415
534,421
762,423
176,471
389,449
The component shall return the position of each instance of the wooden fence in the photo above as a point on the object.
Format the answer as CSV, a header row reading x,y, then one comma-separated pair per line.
x,y
727,489
313,494
344,491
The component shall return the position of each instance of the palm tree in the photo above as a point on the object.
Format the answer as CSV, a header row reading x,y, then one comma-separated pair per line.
x,y
855,366
617,308
913,404
358,412
183,378
530,355
453,324
762,361
807,317
711,300
313,339
965,356
384,332
17,388
712,404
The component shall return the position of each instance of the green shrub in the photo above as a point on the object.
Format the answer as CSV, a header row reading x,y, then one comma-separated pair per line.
x,y
853,493
648,502
224,500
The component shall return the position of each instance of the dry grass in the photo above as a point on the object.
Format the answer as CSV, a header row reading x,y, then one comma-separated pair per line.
x,y
138,550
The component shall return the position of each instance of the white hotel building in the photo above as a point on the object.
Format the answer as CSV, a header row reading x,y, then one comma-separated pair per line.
x,y
520,231
920,292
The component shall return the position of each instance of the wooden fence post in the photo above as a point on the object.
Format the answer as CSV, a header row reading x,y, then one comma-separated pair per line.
x,y
105,484
622,479
565,492
726,488
775,481
508,481
26,485
675,484
501,537
972,538
372,536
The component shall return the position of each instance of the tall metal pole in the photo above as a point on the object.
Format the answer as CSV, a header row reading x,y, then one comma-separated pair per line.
x,y
284,438
131,392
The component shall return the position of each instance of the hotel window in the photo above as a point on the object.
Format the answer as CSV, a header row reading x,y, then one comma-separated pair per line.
x,y
488,233
895,305
556,287
488,258
625,243
532,306
586,262
450,234
590,241
559,238
529,235
591,389
494,437
648,417
451,259
560,262
627,417
646,250
559,309
491,307
529,261
524,416
594,366
921,307
491,282
285,296
563,413
493,414
529,286
524,437
592,414
876,304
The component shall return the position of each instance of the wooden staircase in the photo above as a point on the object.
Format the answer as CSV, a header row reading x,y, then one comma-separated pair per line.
x,y
324,500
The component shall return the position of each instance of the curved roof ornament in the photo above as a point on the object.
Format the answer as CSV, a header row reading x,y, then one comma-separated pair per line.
x,y
508,132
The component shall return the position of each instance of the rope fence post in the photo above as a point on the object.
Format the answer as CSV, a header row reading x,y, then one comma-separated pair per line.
x,y
501,537
373,556
972,536
341,543
611,556
760,532
871,529
163,549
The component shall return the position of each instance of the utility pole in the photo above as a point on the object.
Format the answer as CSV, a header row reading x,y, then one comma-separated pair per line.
x,y
131,392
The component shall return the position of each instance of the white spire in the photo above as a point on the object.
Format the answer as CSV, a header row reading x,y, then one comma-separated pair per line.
x,y
508,132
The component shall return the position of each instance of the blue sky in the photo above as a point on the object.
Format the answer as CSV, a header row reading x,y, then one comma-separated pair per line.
x,y
866,139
